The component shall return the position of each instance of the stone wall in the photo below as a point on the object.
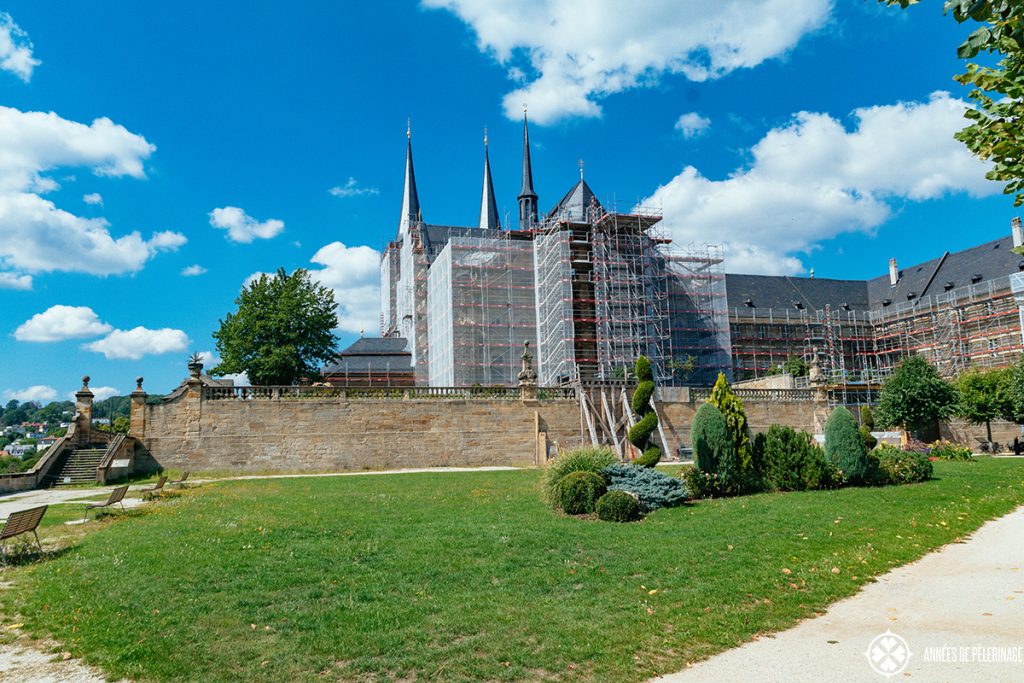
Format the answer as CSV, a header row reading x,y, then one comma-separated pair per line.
x,y
805,415
335,434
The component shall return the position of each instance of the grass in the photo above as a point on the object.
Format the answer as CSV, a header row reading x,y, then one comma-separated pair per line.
x,y
469,576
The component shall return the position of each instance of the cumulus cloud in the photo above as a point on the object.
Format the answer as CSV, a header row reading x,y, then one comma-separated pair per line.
x,y
36,236
93,198
38,392
193,270
569,55
101,393
354,275
58,323
208,359
692,124
15,281
352,189
813,179
254,277
242,227
15,49
138,342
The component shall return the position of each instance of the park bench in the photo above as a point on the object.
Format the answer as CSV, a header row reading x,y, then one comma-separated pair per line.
x,y
21,522
116,496
181,482
154,490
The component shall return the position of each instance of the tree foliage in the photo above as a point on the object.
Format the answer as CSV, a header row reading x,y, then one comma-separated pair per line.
x,y
640,433
731,405
282,332
996,131
985,395
844,446
711,442
915,396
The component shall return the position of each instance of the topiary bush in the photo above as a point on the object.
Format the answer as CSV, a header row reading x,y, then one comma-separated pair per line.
x,y
792,460
713,449
640,433
844,446
900,467
867,437
746,470
618,506
578,492
582,459
653,489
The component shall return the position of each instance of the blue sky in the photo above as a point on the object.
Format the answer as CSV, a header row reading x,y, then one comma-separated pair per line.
x,y
692,107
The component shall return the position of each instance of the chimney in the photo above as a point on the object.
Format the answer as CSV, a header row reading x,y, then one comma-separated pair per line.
x,y
1018,231
894,273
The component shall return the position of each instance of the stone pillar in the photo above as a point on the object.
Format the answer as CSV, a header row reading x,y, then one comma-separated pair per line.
x,y
527,376
83,412
138,414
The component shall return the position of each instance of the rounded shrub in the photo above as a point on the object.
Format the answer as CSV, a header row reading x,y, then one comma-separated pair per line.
x,y
844,446
710,438
618,506
901,467
581,459
578,492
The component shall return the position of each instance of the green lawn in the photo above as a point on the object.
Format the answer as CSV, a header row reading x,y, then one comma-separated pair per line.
x,y
469,576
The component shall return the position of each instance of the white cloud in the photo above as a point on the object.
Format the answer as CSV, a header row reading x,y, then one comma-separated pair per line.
x,y
38,392
193,270
101,393
254,277
61,322
239,378
138,342
15,49
93,198
578,53
242,227
354,275
208,359
351,189
692,124
36,236
813,179
15,281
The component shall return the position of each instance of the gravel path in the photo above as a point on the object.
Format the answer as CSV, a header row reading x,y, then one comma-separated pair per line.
x,y
959,610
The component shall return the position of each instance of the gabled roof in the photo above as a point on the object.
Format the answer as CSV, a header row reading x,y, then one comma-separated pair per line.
x,y
372,354
984,262
578,205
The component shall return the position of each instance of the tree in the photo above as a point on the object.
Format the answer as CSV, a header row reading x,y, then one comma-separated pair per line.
x,y
997,130
796,366
844,446
731,406
985,395
1015,388
711,443
640,433
282,332
914,396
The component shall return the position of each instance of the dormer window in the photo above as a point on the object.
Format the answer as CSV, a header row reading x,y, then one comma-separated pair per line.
x,y
845,306
976,278
886,302
748,302
949,284
799,305
911,295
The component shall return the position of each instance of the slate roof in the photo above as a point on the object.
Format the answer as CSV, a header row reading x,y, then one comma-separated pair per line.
x,y
373,354
984,262
575,206
435,237
771,291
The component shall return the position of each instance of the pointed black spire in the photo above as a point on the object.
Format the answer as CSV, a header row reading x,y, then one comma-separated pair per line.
x,y
410,200
488,206
527,197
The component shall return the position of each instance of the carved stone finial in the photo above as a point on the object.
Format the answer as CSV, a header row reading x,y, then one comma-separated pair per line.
x,y
85,381
195,366
527,375
138,383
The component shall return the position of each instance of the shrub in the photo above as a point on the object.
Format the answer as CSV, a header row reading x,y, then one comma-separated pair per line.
x,y
947,450
844,446
640,433
867,437
581,459
713,452
701,484
578,492
792,461
901,467
618,506
653,489
731,406
867,418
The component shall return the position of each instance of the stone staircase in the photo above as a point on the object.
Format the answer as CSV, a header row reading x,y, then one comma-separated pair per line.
x,y
78,466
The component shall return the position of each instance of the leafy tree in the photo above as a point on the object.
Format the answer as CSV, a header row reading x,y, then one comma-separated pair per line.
x,y
640,433
282,332
985,395
997,130
1015,388
711,442
844,446
796,366
731,406
914,396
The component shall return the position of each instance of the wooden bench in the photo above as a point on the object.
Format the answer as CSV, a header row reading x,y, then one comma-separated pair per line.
x,y
116,496
181,482
155,490
21,522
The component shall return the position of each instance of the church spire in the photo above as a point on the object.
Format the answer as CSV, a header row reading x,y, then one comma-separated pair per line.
x,y
410,200
527,197
488,206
